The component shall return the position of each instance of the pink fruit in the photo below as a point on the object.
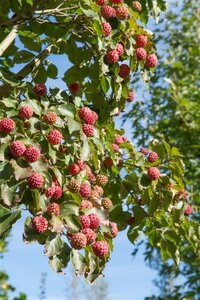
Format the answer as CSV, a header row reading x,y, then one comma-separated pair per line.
x,y
151,61
99,190
141,53
58,193
122,12
32,154
188,210
112,57
40,89
117,1
7,125
113,229
115,147
87,115
86,204
100,248
106,28
153,156
39,224
101,2
108,12
88,130
120,49
35,181
107,203
118,139
102,180
124,71
74,88
153,173
74,169
74,186
137,6
25,112
85,221
85,190
90,235
141,40
78,240
50,191
51,117
17,149
94,221
108,162
53,209
54,137
144,151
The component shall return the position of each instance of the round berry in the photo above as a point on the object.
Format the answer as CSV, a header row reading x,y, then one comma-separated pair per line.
x,y
90,235
17,149
86,204
25,112
101,2
74,88
188,210
153,173
85,221
74,186
108,162
58,193
74,169
137,6
144,151
54,137
40,89
141,40
7,125
91,178
118,139
124,71
122,12
39,224
35,181
106,28
32,154
151,61
94,221
120,49
141,53
87,115
153,156
78,241
131,96
117,1
50,191
100,248
107,203
113,229
112,57
53,209
81,164
50,118
88,130
99,190
115,147
108,12
85,190
102,180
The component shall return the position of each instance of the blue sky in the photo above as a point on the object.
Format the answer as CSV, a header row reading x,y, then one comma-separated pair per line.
x,y
128,278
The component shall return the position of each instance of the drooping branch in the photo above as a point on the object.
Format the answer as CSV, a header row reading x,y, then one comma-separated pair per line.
x,y
8,40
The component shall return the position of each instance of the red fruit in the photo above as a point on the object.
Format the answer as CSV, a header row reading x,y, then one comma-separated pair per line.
x,y
144,151
101,2
85,190
113,229
117,1
102,180
40,89
88,130
94,196
137,6
17,149
86,204
141,40
32,154
151,61
39,224
118,139
107,203
108,162
188,210
58,193
131,96
112,57
85,221
74,169
51,117
53,209
78,241
99,190
88,170
125,139
87,115
100,248
122,12
141,53
54,137
91,178
106,28
94,221
7,125
120,49
74,88
25,112
153,156
81,164
35,181
90,235
74,186
115,147
108,12
50,191
182,194
94,116
153,173
124,71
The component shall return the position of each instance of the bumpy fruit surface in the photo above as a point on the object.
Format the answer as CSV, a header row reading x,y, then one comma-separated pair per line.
x,y
108,162
85,221
17,149
74,88
81,164
101,2
151,61
32,154
141,53
39,224
106,28
113,229
118,139
153,156
98,189
144,151
100,248
40,89
74,169
94,221
87,115
102,180
153,173
90,235
50,191
58,193
120,49
141,40
78,240
25,112
122,12
91,178
53,209
117,1
7,125
107,203
85,190
124,71
115,147
88,130
50,118
54,137
112,57
188,210
74,186
131,96
35,181
137,6
86,204
108,12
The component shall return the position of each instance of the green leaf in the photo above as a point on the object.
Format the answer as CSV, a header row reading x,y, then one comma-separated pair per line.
x,y
54,245
8,219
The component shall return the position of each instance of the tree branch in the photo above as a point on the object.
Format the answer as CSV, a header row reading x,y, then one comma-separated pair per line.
x,y
8,40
